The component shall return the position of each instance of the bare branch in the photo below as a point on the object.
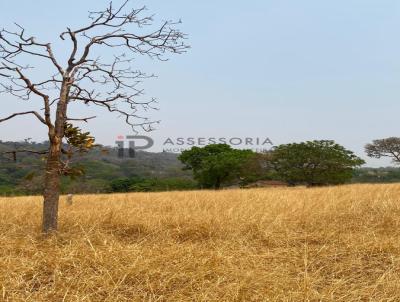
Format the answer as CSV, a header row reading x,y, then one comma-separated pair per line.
x,y
155,44
40,118
101,81
85,119
16,43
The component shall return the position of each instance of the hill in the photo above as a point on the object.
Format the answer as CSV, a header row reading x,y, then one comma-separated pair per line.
x,y
101,166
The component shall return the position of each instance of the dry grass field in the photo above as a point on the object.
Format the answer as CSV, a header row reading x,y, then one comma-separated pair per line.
x,y
278,244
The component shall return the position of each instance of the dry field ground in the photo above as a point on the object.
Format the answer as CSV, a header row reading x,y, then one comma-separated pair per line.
x,y
278,244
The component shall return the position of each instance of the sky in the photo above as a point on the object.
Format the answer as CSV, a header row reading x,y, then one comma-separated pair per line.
x,y
286,70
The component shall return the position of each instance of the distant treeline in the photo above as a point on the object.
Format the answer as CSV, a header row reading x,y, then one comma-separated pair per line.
x,y
376,175
103,172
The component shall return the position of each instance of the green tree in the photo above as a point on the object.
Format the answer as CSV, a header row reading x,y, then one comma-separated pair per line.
x,y
216,164
124,184
159,185
318,162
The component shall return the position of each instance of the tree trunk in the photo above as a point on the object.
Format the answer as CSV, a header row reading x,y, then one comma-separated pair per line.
x,y
51,189
51,192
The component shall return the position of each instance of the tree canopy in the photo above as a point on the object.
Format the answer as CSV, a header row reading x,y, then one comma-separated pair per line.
x,y
318,162
387,147
216,164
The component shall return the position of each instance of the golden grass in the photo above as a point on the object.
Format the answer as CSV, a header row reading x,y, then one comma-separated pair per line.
x,y
279,244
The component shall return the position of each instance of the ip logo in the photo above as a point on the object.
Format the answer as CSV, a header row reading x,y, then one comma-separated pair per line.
x,y
135,142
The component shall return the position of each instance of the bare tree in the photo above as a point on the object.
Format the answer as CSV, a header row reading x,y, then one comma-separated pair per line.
x,y
88,76
387,147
